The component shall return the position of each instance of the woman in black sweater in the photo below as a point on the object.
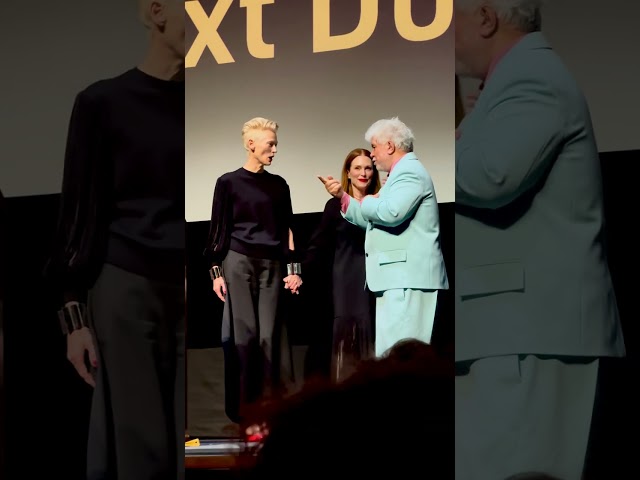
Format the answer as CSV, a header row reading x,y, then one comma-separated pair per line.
x,y
250,253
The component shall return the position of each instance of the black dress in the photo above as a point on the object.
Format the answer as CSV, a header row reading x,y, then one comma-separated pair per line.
x,y
340,244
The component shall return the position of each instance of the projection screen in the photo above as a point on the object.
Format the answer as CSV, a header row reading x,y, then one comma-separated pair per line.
x,y
331,97
326,70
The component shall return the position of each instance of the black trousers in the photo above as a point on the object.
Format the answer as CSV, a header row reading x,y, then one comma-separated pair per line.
x,y
257,352
137,416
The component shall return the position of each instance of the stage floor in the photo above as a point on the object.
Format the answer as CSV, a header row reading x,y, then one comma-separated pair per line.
x,y
206,417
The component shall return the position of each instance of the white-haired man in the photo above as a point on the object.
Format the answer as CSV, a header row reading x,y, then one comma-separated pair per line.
x,y
404,263
119,256
535,306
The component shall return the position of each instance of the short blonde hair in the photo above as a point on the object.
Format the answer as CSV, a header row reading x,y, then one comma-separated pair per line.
x,y
257,124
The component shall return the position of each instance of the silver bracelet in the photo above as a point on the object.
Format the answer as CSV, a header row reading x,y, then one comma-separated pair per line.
x,y
294,269
72,316
215,272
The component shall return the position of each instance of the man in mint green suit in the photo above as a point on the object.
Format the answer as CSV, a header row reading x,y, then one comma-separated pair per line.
x,y
404,263
535,305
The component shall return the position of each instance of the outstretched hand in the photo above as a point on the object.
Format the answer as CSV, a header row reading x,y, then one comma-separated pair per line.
x,y
333,186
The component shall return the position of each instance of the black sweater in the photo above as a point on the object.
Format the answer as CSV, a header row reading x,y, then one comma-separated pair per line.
x,y
122,198
251,214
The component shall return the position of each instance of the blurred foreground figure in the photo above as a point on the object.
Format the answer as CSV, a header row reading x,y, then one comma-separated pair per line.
x,y
119,257
394,413
535,306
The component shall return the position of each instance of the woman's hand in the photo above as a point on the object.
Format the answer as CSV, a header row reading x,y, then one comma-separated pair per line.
x,y
220,287
293,283
80,342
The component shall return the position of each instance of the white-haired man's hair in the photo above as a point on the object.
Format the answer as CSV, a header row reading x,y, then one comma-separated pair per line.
x,y
522,14
391,130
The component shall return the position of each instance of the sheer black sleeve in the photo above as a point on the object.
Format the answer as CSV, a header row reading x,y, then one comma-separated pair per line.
x,y
79,245
291,256
220,228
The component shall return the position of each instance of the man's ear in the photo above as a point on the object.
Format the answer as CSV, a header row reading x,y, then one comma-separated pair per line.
x,y
391,148
251,145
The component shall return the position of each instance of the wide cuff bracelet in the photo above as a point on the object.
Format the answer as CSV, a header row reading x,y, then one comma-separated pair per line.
x,y
72,317
294,269
215,272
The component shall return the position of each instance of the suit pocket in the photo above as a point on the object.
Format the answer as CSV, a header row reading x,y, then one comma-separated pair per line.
x,y
392,256
491,279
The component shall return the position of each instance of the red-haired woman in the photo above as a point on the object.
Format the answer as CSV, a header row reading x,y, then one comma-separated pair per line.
x,y
340,245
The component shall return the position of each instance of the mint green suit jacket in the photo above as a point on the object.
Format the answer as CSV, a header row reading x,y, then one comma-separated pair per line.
x,y
402,242
531,268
